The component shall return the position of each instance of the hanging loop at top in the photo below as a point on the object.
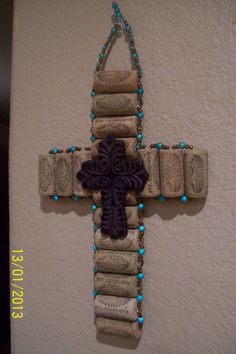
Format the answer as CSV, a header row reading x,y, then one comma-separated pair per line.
x,y
120,23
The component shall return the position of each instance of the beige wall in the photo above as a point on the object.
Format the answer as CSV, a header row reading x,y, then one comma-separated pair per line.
x,y
188,52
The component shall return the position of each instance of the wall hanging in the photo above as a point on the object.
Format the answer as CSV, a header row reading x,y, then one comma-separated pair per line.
x,y
118,171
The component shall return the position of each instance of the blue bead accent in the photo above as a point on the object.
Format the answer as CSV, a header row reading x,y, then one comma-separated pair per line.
x,y
94,207
140,275
93,93
54,151
140,319
182,144
95,227
139,137
117,11
113,30
134,55
141,251
141,206
56,197
114,5
140,115
101,55
141,228
75,197
94,248
138,146
184,198
95,292
94,269
92,138
159,146
140,91
140,298
72,149
127,28
162,198
92,116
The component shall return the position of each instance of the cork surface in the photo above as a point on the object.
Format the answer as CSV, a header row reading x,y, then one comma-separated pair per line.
x,y
188,52
111,81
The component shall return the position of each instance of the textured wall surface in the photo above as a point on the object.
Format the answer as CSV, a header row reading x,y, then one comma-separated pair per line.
x,y
188,52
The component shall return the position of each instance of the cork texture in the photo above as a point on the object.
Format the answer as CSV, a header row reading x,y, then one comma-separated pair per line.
x,y
120,262
118,328
46,174
115,81
120,126
122,308
128,243
78,158
116,284
172,173
124,104
150,158
196,173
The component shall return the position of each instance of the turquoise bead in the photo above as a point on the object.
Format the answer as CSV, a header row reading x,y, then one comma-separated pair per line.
x,y
139,136
184,198
95,292
93,93
95,227
140,91
162,198
114,5
141,206
94,207
54,151
140,276
141,251
56,197
182,144
138,146
101,55
94,269
159,146
127,28
141,228
117,11
140,297
93,138
72,149
92,116
94,247
140,115
113,30
75,197
135,55
140,319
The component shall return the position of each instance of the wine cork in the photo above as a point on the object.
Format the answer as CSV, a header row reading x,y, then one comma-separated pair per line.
x,y
46,174
122,308
115,81
78,158
150,158
130,147
63,174
120,262
131,213
118,327
130,199
128,243
124,104
196,173
116,284
171,173
120,126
